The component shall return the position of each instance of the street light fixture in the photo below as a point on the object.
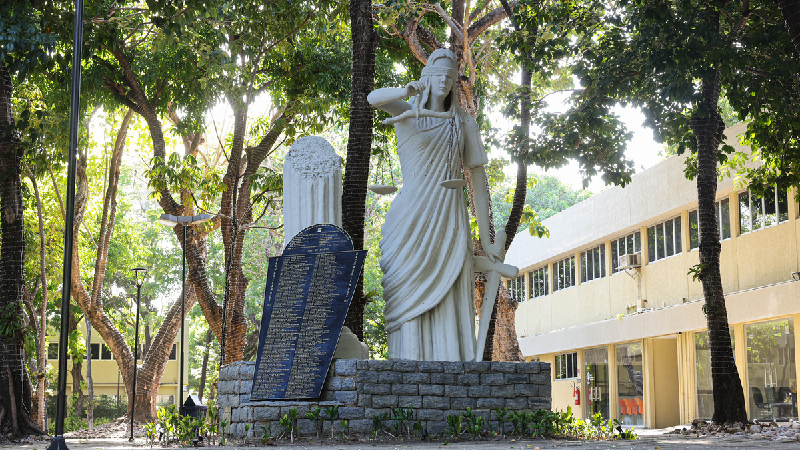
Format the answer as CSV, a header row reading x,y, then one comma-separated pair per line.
x,y
136,271
171,221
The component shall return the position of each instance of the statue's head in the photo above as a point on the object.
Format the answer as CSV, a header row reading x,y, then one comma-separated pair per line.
x,y
440,74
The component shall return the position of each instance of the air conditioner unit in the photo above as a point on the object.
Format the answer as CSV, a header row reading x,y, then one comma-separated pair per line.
x,y
630,261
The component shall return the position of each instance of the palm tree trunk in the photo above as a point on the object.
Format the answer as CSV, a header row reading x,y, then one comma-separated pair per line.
x,y
729,406
89,381
359,145
15,386
204,368
41,379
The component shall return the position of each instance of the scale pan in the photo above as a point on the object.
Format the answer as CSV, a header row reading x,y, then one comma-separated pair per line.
x,y
382,189
453,184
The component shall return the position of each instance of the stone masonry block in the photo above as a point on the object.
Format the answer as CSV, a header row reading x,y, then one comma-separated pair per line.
x,y
437,427
228,387
246,386
404,366
348,384
463,403
247,369
327,395
538,403
504,367
435,402
228,400
431,389
477,367
540,378
362,364
229,372
376,389
455,391
492,379
334,383
526,390
244,398
345,367
453,367
490,403
468,379
405,389
370,413
503,391
365,400
430,366
516,378
528,367
351,412
346,397
404,401
545,390
305,427
266,413
416,378
367,376
242,414
479,391
384,401
443,378
517,403
379,365
361,426
429,414
390,377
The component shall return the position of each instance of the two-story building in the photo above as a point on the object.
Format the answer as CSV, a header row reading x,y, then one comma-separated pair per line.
x,y
608,299
106,376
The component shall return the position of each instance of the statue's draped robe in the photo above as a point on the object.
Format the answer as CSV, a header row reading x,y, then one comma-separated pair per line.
x,y
426,248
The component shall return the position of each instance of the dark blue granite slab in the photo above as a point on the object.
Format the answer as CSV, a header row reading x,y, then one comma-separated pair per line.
x,y
309,290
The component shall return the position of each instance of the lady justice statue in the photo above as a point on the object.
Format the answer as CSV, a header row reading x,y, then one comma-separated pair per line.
x,y
427,260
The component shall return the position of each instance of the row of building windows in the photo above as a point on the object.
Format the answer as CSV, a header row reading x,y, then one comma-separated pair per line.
x,y
663,240
100,352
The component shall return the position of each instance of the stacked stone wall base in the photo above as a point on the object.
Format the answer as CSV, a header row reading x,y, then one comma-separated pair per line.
x,y
364,389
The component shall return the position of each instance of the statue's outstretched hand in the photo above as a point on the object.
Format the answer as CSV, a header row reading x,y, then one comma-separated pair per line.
x,y
496,251
414,88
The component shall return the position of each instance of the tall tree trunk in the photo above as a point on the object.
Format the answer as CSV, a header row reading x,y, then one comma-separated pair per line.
x,y
204,368
15,386
729,405
364,39
89,381
41,379
77,370
790,10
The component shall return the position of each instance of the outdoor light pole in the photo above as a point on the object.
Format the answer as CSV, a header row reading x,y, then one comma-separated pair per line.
x,y
139,282
58,442
171,221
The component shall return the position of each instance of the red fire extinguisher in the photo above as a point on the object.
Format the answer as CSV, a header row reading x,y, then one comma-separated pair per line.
x,y
577,394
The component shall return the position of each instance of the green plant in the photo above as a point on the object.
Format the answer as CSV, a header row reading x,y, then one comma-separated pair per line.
x,y
377,423
454,422
332,412
315,415
151,432
222,425
519,420
345,424
265,434
474,423
502,419
402,417
247,432
542,423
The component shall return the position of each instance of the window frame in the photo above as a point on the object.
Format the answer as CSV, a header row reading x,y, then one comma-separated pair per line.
x,y
566,267
516,287
659,232
537,279
636,241
598,266
565,366
762,211
694,243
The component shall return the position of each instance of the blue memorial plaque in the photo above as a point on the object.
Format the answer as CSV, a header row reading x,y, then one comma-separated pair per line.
x,y
308,293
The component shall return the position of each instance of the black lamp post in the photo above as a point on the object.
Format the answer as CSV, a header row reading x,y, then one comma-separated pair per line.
x,y
139,282
171,221
58,442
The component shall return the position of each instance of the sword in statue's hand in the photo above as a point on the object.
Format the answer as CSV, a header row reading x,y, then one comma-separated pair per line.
x,y
494,271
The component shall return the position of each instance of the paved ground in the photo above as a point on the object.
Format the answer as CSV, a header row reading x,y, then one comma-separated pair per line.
x,y
649,440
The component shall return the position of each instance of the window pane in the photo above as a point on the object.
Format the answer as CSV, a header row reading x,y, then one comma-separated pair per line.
x,y
678,247
95,351
757,210
583,266
660,247
630,383
725,219
744,214
651,244
637,242
572,271
602,260
629,247
614,255
783,206
770,214
105,352
771,371
694,232
52,350
669,237
172,353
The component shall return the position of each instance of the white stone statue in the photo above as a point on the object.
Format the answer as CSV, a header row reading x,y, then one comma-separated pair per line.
x,y
427,260
312,186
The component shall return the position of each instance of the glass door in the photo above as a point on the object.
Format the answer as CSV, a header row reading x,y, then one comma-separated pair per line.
x,y
596,386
